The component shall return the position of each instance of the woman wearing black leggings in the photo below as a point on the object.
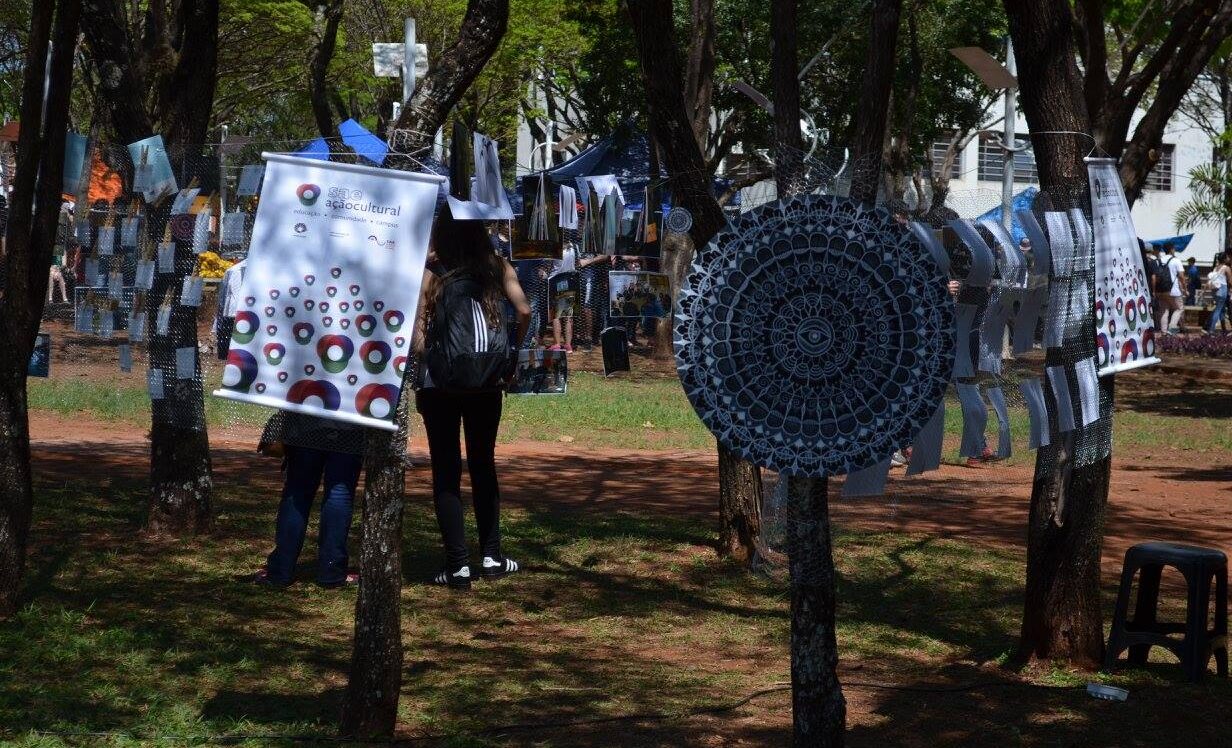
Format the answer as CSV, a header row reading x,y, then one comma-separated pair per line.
x,y
463,248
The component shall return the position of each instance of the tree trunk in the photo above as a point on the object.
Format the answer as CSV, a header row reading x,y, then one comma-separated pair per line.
x,y
180,66
785,88
874,106
819,711
1062,615
740,500
318,67
672,129
191,83
670,125
181,481
16,491
699,70
34,210
375,680
483,27
375,683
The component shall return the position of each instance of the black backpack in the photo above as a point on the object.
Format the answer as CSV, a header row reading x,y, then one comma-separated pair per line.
x,y
465,352
1161,276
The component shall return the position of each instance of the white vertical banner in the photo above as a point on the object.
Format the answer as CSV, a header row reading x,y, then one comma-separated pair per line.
x,y
331,289
1124,329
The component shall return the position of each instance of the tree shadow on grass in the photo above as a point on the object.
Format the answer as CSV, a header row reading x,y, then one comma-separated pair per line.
x,y
1185,398
1213,474
268,707
1011,712
122,627
623,609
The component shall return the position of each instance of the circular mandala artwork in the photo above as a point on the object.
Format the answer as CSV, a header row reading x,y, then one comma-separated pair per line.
x,y
815,336
679,220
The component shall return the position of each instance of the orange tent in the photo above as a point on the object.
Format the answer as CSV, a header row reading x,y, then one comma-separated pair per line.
x,y
9,131
105,183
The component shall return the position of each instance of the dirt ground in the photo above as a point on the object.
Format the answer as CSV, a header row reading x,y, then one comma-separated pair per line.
x,y
1165,495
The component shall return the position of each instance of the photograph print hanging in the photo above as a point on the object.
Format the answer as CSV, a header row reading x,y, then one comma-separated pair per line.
x,y
563,293
635,294
540,372
536,233
639,232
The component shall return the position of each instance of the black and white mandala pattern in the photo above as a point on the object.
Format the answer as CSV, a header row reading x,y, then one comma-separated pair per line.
x,y
679,220
815,336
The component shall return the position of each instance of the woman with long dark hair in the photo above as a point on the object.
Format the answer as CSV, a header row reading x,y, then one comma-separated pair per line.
x,y
464,255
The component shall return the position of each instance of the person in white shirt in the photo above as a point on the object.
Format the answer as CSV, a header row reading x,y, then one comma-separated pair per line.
x,y
1219,282
1172,301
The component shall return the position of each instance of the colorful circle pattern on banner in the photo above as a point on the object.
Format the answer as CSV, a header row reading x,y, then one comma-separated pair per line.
x,y
303,332
305,390
815,336
240,371
1124,326
246,326
274,353
335,352
375,356
377,400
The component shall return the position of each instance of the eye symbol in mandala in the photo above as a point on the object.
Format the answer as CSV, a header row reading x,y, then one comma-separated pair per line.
x,y
814,337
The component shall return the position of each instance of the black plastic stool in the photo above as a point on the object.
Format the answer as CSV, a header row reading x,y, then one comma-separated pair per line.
x,y
1199,565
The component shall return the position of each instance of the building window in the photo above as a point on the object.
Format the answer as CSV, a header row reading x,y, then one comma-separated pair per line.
x,y
940,148
1160,177
992,159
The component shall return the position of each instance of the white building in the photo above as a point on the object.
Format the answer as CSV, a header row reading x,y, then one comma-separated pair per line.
x,y
976,186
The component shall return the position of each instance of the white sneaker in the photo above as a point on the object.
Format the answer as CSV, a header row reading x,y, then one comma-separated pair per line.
x,y
494,569
458,580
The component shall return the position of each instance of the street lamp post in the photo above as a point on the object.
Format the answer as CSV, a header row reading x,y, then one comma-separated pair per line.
x,y
999,77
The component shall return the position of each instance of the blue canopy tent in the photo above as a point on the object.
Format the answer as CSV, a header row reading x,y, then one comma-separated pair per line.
x,y
364,143
356,137
625,154
1178,242
1022,201
317,149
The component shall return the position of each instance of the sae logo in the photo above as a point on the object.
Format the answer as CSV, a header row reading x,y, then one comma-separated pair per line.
x,y
308,194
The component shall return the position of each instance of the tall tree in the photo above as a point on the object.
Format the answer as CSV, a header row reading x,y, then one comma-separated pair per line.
x,y
1209,106
371,706
1161,49
452,74
329,18
156,71
872,111
819,711
672,128
31,232
1062,615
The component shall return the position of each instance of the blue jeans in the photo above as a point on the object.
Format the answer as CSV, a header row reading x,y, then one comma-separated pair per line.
x,y
305,469
1221,308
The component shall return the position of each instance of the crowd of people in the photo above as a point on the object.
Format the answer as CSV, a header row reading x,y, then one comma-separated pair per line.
x,y
461,264
1176,285
558,323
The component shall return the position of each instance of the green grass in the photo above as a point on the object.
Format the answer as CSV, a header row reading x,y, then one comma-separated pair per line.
x,y
599,412
643,414
622,612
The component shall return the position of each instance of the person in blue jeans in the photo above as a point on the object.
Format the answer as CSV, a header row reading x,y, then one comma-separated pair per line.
x,y
335,460
1219,281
